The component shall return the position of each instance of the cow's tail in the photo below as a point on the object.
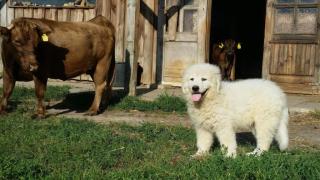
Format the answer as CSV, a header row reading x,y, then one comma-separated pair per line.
x,y
110,79
111,73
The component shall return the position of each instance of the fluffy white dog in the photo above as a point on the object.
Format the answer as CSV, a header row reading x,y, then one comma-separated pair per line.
x,y
224,108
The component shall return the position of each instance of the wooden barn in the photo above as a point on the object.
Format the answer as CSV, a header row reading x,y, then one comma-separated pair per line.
x,y
157,40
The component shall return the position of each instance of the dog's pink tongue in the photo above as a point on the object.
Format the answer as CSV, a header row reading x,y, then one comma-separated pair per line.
x,y
196,97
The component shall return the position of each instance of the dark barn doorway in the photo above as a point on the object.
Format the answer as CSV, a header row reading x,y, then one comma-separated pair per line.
x,y
243,21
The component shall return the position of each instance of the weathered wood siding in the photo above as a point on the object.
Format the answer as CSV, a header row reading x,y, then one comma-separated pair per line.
x,y
293,59
147,40
295,66
186,37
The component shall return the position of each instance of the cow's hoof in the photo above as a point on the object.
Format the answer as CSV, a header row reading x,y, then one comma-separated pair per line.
x,y
91,113
3,113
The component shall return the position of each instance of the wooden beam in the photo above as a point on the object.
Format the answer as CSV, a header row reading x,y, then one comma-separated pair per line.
x,y
134,61
147,36
208,33
202,30
267,38
160,36
120,25
173,21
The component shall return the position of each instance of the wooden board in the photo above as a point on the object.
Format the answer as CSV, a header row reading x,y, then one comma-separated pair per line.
x,y
294,65
178,56
186,38
293,59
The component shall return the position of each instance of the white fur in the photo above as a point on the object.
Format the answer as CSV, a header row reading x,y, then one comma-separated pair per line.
x,y
254,105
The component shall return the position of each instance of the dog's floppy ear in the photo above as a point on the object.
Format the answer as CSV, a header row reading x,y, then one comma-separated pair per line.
x,y
184,87
216,83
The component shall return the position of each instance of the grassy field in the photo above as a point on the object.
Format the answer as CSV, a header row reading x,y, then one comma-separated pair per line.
x,y
60,148
163,103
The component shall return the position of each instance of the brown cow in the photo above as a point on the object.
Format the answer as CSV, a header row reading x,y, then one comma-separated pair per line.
x,y
38,49
224,55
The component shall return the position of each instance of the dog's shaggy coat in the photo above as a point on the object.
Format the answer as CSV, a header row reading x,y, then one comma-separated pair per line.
x,y
224,108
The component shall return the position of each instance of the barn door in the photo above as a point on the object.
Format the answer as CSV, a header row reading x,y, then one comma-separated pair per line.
x,y
185,38
291,56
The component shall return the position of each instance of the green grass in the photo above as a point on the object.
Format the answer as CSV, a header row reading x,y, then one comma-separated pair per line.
x,y
164,102
316,114
52,93
62,148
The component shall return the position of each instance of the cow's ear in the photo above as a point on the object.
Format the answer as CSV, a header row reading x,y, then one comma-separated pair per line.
x,y
4,32
42,28
239,46
221,45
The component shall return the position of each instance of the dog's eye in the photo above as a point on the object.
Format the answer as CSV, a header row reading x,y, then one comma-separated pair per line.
x,y
191,79
203,79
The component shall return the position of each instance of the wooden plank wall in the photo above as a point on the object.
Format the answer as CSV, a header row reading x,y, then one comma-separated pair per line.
x,y
147,37
293,67
293,59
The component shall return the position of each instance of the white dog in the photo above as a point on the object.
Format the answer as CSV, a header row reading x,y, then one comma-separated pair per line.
x,y
224,108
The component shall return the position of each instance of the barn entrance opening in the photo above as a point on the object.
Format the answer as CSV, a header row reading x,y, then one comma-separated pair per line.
x,y
244,22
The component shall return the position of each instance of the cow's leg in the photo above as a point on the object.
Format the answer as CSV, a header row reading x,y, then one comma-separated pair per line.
x,y
99,78
8,85
233,71
40,88
222,72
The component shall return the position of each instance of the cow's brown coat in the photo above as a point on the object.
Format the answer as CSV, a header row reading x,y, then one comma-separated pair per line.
x,y
72,49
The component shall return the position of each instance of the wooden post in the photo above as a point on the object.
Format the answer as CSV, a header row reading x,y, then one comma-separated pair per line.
x,y
173,21
160,35
134,60
83,3
148,43
202,30
208,33
120,24
267,38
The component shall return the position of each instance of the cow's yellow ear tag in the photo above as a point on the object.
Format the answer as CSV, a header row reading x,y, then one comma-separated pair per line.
x,y
221,45
239,46
45,38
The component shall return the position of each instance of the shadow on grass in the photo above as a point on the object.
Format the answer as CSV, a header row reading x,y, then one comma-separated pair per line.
x,y
244,139
13,105
81,102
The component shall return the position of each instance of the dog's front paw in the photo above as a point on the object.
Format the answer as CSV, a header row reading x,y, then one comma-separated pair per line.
x,y
231,154
199,154
255,152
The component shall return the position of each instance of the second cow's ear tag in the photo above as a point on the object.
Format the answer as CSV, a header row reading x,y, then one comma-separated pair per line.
x,y
221,45
239,46
44,38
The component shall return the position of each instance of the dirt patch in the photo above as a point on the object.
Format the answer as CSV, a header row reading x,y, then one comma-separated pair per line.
x,y
304,130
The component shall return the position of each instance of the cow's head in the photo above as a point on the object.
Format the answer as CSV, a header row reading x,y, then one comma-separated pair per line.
x,y
25,35
229,47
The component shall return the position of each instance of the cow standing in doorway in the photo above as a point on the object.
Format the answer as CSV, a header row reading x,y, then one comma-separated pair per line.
x,y
224,56
38,49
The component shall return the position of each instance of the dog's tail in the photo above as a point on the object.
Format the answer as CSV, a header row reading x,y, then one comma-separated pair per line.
x,y
282,133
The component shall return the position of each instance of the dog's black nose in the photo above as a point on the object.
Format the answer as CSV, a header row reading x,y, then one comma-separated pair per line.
x,y
195,88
